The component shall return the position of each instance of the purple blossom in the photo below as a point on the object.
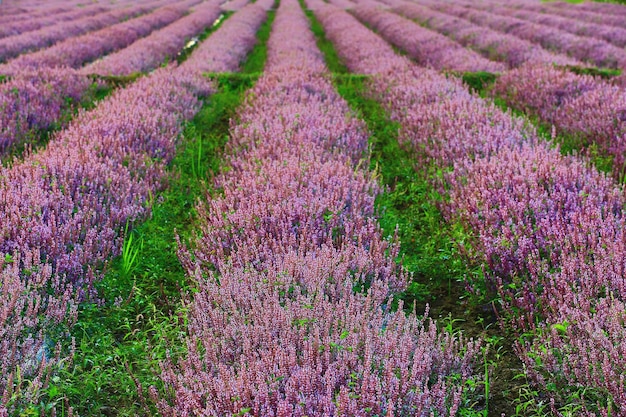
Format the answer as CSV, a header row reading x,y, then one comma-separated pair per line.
x,y
30,41
228,47
26,25
596,51
34,100
549,227
492,44
76,51
578,13
151,51
428,48
62,210
611,34
581,106
276,327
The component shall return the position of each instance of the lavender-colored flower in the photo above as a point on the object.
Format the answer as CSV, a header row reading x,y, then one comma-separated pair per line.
x,y
611,34
276,327
62,211
579,13
151,51
425,46
580,106
591,50
492,44
76,51
34,100
30,41
228,47
548,227
16,28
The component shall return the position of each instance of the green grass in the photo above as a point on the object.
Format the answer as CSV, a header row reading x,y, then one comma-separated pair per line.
x,y
606,73
120,343
479,81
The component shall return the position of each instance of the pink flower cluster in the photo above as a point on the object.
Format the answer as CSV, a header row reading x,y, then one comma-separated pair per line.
x,y
30,41
16,13
34,100
611,34
151,51
548,227
580,106
76,51
601,8
26,312
595,51
551,231
292,314
428,48
27,25
578,13
62,208
492,44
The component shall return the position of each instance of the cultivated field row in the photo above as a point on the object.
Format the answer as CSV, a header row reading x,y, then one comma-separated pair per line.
x,y
291,302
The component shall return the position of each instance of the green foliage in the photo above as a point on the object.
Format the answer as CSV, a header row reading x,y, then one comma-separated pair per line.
x,y
333,62
120,343
256,59
116,81
428,243
130,252
478,81
606,73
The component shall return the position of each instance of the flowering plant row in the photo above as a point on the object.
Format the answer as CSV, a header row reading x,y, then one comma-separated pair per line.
x,y
427,47
292,313
151,51
548,227
18,27
494,45
595,51
76,51
585,108
63,208
606,32
13,46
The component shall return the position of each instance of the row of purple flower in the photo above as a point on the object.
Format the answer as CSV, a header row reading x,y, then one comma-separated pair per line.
x,y
549,227
63,208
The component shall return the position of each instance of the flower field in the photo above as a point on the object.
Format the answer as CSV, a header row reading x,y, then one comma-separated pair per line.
x,y
312,208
